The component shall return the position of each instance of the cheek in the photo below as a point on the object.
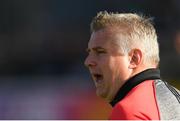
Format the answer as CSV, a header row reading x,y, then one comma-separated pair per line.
x,y
110,68
119,68
122,65
107,66
113,67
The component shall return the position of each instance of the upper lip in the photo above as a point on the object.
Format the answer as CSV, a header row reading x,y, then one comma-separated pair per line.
x,y
95,73
96,76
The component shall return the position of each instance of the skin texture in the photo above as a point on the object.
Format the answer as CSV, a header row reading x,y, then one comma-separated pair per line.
x,y
104,59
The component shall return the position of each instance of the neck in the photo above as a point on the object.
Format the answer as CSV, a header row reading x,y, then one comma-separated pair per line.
x,y
149,74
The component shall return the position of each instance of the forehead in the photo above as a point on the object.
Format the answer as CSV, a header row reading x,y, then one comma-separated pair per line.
x,y
102,37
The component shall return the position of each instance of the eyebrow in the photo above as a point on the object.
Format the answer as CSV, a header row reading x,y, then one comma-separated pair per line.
x,y
95,48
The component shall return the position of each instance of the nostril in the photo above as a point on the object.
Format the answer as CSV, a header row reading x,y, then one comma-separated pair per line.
x,y
91,64
90,61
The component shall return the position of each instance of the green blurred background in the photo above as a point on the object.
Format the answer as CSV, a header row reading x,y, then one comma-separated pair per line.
x,y
42,51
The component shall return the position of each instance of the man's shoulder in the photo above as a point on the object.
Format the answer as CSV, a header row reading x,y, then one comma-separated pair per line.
x,y
123,111
130,111
139,103
168,100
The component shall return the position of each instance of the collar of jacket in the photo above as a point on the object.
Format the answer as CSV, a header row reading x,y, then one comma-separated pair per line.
x,y
149,74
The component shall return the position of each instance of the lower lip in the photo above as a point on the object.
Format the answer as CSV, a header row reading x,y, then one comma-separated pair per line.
x,y
98,81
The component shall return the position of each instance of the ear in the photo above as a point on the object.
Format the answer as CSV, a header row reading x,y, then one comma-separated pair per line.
x,y
135,58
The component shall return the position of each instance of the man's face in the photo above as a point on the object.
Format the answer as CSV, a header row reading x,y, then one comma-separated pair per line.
x,y
108,67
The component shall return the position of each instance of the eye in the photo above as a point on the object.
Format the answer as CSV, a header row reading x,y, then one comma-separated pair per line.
x,y
96,51
100,52
88,51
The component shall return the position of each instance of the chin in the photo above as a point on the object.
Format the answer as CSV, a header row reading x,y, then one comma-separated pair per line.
x,y
101,94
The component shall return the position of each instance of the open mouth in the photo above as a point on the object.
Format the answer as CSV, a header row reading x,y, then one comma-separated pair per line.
x,y
98,77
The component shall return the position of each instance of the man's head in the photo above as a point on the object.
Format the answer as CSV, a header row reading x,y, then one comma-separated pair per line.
x,y
121,45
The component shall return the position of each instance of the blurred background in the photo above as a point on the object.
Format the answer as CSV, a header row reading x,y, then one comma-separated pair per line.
x,y
42,51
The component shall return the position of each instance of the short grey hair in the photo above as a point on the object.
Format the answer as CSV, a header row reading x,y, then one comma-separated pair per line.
x,y
138,32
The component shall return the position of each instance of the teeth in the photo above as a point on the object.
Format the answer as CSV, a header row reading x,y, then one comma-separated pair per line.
x,y
98,81
98,77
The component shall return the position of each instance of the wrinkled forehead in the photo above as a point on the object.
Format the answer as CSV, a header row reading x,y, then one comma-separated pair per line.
x,y
100,38
106,36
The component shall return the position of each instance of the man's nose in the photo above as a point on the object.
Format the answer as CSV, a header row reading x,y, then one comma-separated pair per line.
x,y
90,61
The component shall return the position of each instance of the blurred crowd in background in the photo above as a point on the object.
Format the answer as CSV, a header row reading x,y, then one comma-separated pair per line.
x,y
42,52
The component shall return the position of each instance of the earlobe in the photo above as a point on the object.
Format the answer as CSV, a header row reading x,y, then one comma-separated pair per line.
x,y
135,58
